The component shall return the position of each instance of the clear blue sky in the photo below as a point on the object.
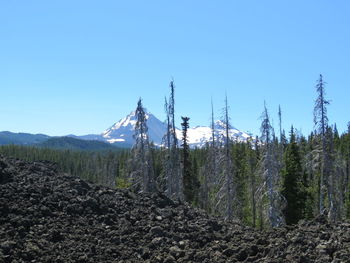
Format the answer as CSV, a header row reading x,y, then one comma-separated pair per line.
x,y
79,66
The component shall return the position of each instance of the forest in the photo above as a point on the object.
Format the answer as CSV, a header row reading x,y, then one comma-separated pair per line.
x,y
270,180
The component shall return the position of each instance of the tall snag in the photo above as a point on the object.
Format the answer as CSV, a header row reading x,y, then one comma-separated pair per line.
x,y
209,170
141,164
225,197
270,171
321,124
172,167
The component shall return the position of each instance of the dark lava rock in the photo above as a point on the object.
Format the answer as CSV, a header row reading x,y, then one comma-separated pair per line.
x,y
46,216
157,231
5,176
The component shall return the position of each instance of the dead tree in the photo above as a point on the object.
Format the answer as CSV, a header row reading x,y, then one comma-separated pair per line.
x,y
270,171
321,124
225,196
172,166
209,170
141,170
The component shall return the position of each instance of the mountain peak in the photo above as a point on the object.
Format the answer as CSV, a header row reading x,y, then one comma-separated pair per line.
x,y
123,131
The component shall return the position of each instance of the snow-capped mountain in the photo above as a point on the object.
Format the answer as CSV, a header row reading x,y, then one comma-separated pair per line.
x,y
200,135
121,133
123,130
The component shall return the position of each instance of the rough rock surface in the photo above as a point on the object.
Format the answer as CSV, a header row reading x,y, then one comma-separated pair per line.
x,y
51,217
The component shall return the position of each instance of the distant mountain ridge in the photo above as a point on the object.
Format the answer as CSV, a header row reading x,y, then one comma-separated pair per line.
x,y
21,138
121,134
70,143
59,143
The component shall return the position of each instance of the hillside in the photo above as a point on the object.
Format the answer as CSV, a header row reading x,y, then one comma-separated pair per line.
x,y
121,135
51,217
75,144
7,137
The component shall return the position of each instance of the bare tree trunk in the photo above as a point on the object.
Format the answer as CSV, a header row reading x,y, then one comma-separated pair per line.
x,y
174,178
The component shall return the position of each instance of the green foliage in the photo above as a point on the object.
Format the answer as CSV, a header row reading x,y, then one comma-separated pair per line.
x,y
190,168
122,183
64,143
7,138
240,155
100,167
300,174
293,183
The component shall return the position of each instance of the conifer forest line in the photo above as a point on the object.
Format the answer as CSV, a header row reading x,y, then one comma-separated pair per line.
x,y
270,180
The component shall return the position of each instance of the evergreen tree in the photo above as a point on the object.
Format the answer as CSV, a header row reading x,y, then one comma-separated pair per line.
x,y
341,186
190,182
345,151
293,184
312,166
240,157
330,180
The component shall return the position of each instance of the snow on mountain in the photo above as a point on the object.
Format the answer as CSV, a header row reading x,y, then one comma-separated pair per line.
x,y
200,135
122,132
88,137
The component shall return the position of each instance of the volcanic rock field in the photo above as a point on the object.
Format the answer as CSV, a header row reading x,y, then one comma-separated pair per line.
x,y
46,216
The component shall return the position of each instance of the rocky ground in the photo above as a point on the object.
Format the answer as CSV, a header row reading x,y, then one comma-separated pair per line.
x,y
50,217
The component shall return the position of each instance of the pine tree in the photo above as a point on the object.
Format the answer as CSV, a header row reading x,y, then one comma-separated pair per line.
x,y
340,184
190,182
240,156
346,155
293,184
